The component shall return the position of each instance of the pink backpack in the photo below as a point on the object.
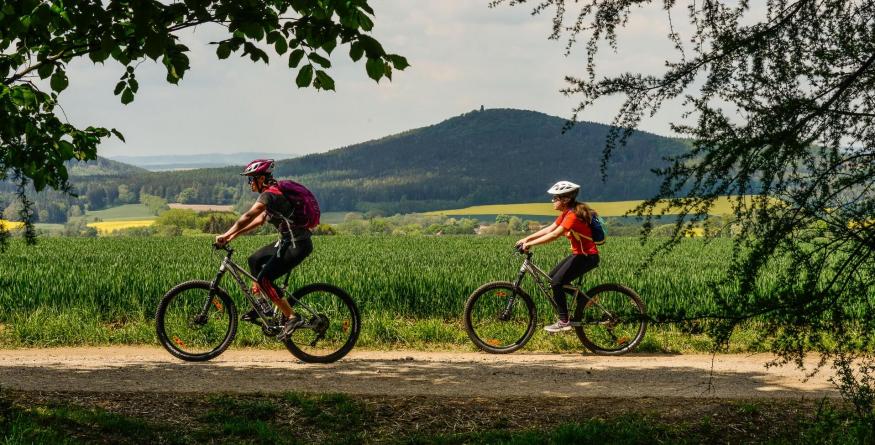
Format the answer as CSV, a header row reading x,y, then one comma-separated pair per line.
x,y
306,208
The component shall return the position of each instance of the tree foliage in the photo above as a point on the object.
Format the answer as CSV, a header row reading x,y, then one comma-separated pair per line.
x,y
779,100
39,38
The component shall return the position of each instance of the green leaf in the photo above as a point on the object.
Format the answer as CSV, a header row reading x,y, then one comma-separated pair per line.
x,y
322,61
66,148
330,44
365,22
305,76
295,58
253,30
59,81
281,46
224,50
356,51
45,70
399,62
349,21
154,46
134,84
372,47
375,69
127,96
118,134
118,88
323,81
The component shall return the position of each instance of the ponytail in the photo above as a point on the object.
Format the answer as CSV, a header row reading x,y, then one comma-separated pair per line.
x,y
582,210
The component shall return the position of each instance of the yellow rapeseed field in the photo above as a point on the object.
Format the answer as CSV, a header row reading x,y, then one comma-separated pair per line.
x,y
723,206
105,227
11,225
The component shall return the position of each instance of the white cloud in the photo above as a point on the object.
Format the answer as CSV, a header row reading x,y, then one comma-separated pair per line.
x,y
463,55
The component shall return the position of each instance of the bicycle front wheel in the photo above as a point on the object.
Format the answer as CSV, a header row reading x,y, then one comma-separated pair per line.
x,y
331,326
612,321
500,318
195,324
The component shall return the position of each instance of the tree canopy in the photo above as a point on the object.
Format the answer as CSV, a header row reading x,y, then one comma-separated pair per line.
x,y
39,38
779,100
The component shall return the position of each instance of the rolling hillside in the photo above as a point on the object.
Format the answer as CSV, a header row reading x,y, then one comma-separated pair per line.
x,y
481,157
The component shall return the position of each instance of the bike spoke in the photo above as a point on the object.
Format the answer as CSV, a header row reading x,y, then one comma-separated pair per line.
x,y
611,321
499,318
196,322
328,324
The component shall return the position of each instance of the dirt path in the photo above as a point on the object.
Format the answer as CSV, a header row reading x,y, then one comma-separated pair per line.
x,y
410,373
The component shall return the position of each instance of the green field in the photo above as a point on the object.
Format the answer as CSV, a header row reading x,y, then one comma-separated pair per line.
x,y
722,206
119,213
411,290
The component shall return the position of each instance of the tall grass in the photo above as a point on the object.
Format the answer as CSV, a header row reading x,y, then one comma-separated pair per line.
x,y
105,290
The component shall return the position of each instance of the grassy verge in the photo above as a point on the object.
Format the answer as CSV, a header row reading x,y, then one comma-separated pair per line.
x,y
44,328
293,418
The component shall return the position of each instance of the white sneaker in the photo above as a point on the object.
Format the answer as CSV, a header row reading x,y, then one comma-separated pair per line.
x,y
559,326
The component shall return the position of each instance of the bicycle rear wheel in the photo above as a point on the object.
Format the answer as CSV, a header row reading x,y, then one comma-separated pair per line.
x,y
194,324
495,323
331,326
612,322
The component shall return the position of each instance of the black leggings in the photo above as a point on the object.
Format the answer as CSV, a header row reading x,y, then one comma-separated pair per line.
x,y
270,262
565,272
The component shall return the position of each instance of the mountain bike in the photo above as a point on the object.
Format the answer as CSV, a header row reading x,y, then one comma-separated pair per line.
x,y
197,320
500,317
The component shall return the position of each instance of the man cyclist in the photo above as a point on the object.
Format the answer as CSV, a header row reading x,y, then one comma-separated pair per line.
x,y
276,259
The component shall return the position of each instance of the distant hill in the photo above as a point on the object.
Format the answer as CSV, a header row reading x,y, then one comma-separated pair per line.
x,y
184,162
101,167
483,157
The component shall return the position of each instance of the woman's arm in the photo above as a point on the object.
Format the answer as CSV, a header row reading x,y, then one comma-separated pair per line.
x,y
242,223
257,222
545,238
538,234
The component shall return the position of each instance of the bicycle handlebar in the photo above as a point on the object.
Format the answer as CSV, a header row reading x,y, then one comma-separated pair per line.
x,y
223,247
520,251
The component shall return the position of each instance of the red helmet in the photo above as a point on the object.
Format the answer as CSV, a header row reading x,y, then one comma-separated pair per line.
x,y
258,167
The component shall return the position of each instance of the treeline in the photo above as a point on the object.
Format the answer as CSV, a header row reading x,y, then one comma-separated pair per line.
x,y
481,157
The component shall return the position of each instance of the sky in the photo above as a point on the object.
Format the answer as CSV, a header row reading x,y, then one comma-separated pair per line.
x,y
463,54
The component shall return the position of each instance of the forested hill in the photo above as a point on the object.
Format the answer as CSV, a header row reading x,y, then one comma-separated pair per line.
x,y
481,157
491,156
102,167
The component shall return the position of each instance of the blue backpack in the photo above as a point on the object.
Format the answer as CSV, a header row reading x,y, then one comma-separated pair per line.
x,y
597,227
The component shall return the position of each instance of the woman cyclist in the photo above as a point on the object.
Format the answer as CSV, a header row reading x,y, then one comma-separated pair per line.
x,y
276,259
573,222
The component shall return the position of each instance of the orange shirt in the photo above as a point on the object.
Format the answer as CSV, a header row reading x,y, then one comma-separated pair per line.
x,y
578,232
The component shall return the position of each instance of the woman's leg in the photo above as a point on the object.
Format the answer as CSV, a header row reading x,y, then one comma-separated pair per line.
x,y
557,278
258,258
278,265
565,272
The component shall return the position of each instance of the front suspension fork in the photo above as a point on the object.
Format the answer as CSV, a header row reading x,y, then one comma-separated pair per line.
x,y
202,316
505,314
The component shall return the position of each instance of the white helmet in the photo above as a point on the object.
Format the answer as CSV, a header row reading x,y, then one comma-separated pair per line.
x,y
563,187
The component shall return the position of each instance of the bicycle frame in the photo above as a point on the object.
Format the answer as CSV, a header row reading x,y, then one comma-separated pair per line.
x,y
542,280
239,274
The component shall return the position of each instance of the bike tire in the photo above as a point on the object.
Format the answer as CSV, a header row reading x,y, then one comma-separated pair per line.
x,y
492,327
172,342
628,311
351,324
